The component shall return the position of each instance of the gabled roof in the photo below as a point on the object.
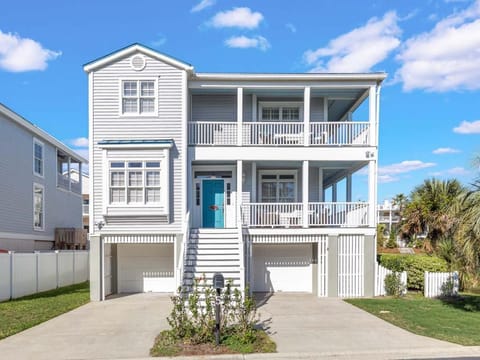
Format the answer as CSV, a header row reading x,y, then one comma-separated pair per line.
x,y
41,134
132,49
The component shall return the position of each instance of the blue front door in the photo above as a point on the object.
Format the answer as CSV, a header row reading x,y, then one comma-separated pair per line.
x,y
213,206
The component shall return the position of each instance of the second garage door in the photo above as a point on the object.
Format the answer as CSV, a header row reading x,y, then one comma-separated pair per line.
x,y
282,268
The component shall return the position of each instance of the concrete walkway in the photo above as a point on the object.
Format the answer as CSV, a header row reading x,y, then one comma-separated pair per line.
x,y
123,327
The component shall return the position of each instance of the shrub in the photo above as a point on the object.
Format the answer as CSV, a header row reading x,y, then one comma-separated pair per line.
x,y
414,265
392,240
393,285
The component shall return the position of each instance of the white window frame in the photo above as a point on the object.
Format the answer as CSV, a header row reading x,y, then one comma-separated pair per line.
x,y
280,105
42,145
138,97
38,228
278,172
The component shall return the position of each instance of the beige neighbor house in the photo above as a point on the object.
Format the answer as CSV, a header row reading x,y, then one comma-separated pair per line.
x,y
37,195
195,173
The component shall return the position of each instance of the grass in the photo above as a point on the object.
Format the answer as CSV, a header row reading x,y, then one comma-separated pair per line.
x,y
166,345
455,319
23,313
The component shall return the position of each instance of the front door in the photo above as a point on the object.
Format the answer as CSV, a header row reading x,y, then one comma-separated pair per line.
x,y
213,210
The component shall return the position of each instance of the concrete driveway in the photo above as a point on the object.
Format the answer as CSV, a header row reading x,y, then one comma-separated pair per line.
x,y
303,323
121,327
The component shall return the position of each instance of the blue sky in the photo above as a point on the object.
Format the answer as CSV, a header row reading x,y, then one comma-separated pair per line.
x,y
430,121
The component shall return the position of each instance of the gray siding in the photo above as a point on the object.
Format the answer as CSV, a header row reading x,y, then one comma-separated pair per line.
x,y
62,208
316,109
108,124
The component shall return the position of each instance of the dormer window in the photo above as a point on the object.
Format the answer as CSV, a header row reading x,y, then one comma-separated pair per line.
x,y
138,97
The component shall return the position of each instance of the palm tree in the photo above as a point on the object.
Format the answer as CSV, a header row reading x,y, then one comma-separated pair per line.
x,y
401,201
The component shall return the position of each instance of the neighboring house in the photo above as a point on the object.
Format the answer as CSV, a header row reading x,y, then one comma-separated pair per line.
x,y
36,196
196,173
389,214
85,195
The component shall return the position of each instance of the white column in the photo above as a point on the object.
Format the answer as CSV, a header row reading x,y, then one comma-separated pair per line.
x,y
306,116
239,185
348,189
334,192
372,191
239,115
372,118
305,183
321,196
254,183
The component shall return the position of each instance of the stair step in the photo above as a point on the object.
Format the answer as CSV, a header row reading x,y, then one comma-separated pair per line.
x,y
213,257
216,251
213,231
218,237
228,247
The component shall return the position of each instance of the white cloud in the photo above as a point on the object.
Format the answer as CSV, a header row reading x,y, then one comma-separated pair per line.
x,y
455,171
446,58
404,167
161,39
445,150
202,5
22,54
383,179
467,127
291,27
358,50
244,42
241,17
79,142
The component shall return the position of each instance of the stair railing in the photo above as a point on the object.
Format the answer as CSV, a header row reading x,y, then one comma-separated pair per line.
x,y
241,250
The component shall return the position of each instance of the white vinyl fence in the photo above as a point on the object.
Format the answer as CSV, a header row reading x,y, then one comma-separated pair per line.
x,y
440,284
24,274
382,272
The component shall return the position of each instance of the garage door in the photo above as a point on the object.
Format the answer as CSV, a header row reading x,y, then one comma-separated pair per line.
x,y
282,268
145,268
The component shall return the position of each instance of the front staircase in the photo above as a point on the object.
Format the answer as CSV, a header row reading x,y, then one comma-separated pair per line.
x,y
213,250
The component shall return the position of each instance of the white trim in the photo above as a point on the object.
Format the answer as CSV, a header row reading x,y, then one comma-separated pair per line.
x,y
42,145
18,236
91,193
42,228
380,76
184,147
280,105
39,132
133,49
139,238
135,146
138,80
293,172
318,231
144,59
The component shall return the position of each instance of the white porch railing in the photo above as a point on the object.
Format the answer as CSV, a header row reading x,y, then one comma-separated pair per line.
x,y
338,214
340,133
273,133
291,214
279,133
212,133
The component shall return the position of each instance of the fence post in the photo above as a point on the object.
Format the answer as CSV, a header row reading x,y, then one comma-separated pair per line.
x,y
11,253
56,264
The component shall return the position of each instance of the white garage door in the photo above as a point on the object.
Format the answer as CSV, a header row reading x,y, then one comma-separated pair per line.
x,y
282,268
145,268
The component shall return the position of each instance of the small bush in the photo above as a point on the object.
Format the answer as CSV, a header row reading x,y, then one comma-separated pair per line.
x,y
392,240
393,285
414,265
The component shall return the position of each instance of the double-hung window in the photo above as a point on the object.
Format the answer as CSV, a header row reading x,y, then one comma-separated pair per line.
x,y
38,207
38,155
135,182
138,97
278,187
280,111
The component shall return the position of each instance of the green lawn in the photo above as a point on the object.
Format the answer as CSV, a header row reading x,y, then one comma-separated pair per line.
x,y
455,319
23,313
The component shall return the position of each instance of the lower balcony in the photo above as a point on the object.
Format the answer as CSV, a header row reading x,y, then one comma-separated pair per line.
x,y
317,214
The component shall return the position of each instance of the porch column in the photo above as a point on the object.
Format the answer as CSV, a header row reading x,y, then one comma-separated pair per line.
x,y
321,196
239,116
306,116
239,186
334,192
253,197
372,118
348,197
96,266
305,183
372,191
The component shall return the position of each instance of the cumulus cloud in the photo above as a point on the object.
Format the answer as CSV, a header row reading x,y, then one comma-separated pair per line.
x,y
358,50
384,179
404,167
468,127
445,150
202,5
445,58
19,54
455,171
240,17
244,42
79,142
